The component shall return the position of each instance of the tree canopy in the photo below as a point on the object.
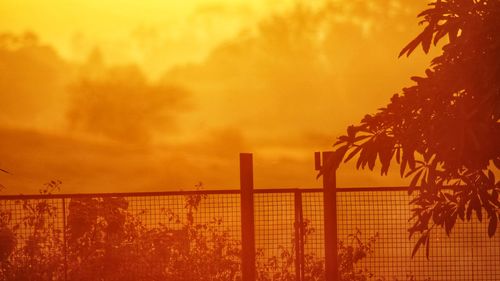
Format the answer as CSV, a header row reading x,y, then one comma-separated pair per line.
x,y
444,130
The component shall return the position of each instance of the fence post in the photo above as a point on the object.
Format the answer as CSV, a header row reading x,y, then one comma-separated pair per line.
x,y
65,244
330,214
247,218
299,237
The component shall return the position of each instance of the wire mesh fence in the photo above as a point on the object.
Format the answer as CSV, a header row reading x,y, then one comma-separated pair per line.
x,y
188,236
197,236
468,254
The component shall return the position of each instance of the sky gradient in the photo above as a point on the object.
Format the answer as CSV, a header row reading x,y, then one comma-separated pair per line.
x,y
122,96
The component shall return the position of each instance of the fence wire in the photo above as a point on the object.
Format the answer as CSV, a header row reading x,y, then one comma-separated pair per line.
x,y
468,254
274,235
197,236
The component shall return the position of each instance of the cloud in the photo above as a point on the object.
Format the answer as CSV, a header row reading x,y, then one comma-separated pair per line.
x,y
303,70
119,103
282,92
90,165
32,82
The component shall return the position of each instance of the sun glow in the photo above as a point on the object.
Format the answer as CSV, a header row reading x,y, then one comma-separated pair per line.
x,y
139,85
156,34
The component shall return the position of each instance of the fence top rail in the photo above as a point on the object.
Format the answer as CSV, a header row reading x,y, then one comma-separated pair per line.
x,y
200,192
286,190
118,194
152,193
343,189
374,189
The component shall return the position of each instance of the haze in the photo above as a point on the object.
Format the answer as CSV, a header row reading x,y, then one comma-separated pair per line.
x,y
159,95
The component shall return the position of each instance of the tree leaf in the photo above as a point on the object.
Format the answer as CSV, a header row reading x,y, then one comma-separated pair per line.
x,y
398,155
492,225
474,204
340,152
427,247
371,160
358,138
412,171
402,167
440,34
408,49
496,161
461,211
468,213
353,153
477,208
341,140
419,243
427,38
426,12
491,178
411,160
449,222
415,178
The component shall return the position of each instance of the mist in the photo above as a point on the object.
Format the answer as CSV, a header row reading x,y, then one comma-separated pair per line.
x,y
282,89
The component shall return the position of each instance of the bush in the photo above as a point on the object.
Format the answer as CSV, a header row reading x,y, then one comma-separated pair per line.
x,y
105,241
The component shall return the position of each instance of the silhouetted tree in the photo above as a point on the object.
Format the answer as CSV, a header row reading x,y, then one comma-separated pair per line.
x,y
443,130
121,104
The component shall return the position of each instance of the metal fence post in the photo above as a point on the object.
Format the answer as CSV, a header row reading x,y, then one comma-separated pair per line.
x,y
330,214
247,218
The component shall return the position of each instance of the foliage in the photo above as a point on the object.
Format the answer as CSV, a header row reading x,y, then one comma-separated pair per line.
x,y
106,241
282,267
349,254
8,240
445,129
39,256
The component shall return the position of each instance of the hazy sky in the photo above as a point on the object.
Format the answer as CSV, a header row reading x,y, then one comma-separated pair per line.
x,y
154,33
151,95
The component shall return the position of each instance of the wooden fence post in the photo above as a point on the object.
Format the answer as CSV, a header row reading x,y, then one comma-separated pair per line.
x,y
330,214
299,237
65,244
247,218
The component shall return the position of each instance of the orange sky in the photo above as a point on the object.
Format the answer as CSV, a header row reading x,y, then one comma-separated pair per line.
x,y
154,95
154,33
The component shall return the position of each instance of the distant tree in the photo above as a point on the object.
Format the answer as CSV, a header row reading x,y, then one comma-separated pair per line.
x,y
33,79
121,104
444,130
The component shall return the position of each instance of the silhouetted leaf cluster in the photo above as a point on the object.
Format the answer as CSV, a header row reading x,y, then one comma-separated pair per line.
x,y
445,129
